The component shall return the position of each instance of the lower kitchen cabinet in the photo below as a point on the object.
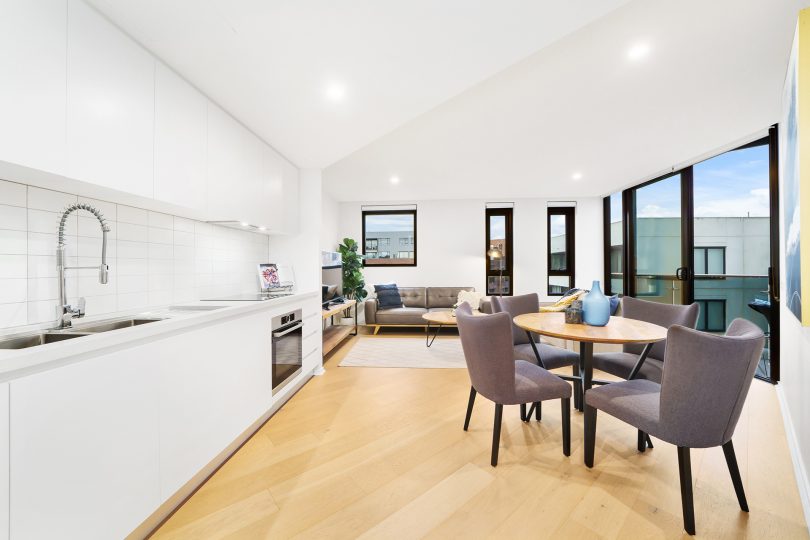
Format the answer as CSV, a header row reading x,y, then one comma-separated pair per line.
x,y
4,462
84,447
213,386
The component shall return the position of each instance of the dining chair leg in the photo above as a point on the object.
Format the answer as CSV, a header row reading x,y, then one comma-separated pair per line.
x,y
649,440
577,387
687,502
469,408
590,434
642,441
496,434
538,410
731,461
523,413
566,425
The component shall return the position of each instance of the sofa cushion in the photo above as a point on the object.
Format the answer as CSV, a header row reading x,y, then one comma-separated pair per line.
x,y
402,315
388,296
445,296
413,296
435,309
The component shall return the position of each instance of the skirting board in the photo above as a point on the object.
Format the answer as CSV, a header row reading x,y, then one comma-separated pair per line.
x,y
799,469
165,510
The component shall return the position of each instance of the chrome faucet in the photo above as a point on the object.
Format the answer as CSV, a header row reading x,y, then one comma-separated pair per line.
x,y
67,312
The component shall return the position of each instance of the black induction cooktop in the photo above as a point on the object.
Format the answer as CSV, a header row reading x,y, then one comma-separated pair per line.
x,y
250,297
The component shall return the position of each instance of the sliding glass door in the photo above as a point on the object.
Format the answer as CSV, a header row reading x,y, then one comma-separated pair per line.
x,y
704,234
731,244
658,262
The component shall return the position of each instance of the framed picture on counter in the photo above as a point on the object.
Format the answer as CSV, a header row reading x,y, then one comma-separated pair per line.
x,y
274,276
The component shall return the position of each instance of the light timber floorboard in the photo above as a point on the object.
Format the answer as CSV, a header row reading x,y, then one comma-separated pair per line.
x,y
380,453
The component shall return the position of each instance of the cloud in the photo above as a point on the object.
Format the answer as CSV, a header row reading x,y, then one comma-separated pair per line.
x,y
756,203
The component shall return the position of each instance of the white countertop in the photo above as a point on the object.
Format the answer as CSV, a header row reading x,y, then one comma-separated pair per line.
x,y
15,363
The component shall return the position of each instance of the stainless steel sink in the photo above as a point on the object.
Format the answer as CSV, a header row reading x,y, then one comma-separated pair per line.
x,y
34,339
108,326
25,341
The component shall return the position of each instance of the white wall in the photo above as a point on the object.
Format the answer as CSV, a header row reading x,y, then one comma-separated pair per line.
x,y
794,379
155,259
451,238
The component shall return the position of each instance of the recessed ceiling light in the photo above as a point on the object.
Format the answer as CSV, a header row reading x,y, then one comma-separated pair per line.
x,y
262,228
577,176
335,91
395,179
638,51
244,224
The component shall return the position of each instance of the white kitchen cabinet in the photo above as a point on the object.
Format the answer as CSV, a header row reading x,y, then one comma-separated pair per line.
x,y
110,104
290,187
32,92
213,386
84,447
231,168
180,140
4,462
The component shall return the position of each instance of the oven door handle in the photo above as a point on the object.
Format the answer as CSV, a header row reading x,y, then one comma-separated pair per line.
x,y
288,330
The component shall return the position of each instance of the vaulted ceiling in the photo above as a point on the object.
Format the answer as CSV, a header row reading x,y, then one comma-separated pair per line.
x,y
475,98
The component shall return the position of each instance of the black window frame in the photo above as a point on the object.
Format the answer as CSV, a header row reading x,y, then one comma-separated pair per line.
x,y
508,272
570,243
365,213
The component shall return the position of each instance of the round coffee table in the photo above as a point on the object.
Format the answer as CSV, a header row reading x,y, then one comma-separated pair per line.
x,y
440,318
619,330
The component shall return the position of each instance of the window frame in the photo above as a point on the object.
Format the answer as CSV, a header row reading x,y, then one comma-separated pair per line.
x,y
570,242
365,213
508,272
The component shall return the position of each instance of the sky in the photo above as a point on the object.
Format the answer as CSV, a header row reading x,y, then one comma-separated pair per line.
x,y
389,222
734,184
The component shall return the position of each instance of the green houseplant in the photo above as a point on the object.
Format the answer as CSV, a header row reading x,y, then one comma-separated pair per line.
x,y
354,286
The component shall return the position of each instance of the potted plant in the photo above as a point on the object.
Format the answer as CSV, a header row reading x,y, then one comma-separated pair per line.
x,y
354,286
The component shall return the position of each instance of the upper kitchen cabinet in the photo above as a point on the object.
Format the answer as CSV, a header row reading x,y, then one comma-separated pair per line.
x,y
32,92
231,169
180,141
290,183
110,104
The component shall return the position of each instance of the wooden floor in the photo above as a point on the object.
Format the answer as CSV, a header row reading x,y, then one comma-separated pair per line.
x,y
380,453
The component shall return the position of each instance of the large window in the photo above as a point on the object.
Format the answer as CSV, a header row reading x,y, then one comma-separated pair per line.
x,y
385,234
560,250
704,233
498,251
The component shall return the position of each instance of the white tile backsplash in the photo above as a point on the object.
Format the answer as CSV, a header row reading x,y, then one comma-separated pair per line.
x,y
13,194
13,218
46,199
13,242
155,259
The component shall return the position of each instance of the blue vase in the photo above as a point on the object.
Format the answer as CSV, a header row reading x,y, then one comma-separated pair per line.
x,y
596,307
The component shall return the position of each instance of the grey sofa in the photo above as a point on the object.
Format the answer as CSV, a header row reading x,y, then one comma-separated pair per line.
x,y
416,302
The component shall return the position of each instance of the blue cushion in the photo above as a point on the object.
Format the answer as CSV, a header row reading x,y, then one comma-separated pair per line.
x,y
614,304
388,296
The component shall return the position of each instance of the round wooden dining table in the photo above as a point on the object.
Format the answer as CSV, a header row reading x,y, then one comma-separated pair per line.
x,y
618,330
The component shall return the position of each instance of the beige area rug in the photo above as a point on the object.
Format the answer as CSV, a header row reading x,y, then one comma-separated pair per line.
x,y
411,352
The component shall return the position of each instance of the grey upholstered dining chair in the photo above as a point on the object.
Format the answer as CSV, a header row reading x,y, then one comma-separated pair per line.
x,y
494,373
527,348
704,384
622,364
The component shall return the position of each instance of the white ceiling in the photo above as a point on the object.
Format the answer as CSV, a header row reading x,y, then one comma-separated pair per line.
x,y
270,62
713,75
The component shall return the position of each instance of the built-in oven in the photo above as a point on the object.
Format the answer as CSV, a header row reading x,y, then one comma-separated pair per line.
x,y
288,333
